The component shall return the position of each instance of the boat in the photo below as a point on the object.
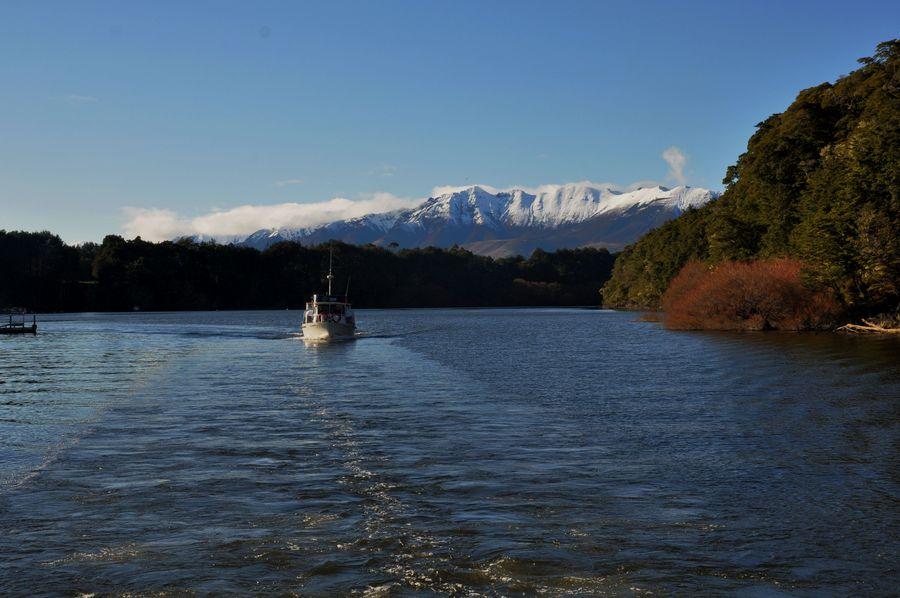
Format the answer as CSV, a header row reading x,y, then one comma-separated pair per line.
x,y
329,317
17,323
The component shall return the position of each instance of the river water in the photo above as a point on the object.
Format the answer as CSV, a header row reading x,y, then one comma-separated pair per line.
x,y
462,452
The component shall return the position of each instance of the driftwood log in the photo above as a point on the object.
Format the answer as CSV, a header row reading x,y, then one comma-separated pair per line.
x,y
868,326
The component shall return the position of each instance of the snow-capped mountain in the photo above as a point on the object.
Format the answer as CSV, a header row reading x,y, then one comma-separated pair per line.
x,y
515,221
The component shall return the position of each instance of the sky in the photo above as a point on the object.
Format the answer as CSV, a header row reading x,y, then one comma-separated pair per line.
x,y
157,118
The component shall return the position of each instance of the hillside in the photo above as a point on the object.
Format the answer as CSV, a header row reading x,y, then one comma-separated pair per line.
x,y
819,182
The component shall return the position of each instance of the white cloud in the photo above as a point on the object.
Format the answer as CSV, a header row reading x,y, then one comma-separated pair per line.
x,y
676,160
74,98
288,182
153,224
384,170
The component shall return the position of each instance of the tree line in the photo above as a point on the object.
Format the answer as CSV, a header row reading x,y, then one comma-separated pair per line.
x,y
819,183
39,271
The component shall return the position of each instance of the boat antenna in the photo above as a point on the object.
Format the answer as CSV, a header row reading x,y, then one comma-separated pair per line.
x,y
330,275
347,292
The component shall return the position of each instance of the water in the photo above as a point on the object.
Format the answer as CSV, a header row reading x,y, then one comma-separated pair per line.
x,y
494,452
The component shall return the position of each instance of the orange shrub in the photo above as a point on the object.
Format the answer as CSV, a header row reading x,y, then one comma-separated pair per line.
x,y
761,295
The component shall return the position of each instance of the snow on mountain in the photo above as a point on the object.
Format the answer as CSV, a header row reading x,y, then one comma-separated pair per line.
x,y
510,221
550,205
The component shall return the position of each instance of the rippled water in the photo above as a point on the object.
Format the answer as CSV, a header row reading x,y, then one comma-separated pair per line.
x,y
447,451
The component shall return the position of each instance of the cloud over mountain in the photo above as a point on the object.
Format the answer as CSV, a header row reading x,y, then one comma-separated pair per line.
x,y
676,160
155,224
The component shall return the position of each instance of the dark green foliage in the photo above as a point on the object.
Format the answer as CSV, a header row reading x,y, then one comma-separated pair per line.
x,y
38,271
643,270
819,182
37,268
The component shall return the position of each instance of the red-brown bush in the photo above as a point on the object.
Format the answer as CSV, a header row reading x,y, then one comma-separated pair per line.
x,y
760,295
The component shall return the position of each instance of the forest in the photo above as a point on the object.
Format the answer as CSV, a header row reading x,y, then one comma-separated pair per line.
x,y
38,271
819,184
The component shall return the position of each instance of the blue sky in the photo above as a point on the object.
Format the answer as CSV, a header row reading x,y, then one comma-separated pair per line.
x,y
180,109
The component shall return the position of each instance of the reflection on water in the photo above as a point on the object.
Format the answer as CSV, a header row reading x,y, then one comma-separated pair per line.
x,y
450,451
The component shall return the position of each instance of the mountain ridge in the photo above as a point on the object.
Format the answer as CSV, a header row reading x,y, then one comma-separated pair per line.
x,y
501,223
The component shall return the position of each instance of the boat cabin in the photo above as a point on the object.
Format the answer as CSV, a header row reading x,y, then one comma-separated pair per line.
x,y
328,308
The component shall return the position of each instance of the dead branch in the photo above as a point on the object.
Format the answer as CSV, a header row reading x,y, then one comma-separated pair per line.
x,y
869,327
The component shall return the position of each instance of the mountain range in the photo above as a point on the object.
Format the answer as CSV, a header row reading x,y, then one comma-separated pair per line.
x,y
509,222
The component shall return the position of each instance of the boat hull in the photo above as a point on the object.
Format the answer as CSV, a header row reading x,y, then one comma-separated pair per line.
x,y
323,331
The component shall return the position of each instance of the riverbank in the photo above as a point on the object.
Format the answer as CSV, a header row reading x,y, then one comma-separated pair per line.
x,y
879,325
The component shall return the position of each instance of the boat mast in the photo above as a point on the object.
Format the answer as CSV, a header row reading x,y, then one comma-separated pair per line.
x,y
330,275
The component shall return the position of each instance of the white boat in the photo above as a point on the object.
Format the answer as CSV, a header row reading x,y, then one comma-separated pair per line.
x,y
328,316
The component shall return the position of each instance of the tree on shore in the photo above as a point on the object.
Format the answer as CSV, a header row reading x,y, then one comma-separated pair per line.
x,y
760,295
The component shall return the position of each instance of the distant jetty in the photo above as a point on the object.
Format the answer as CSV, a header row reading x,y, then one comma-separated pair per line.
x,y
17,323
